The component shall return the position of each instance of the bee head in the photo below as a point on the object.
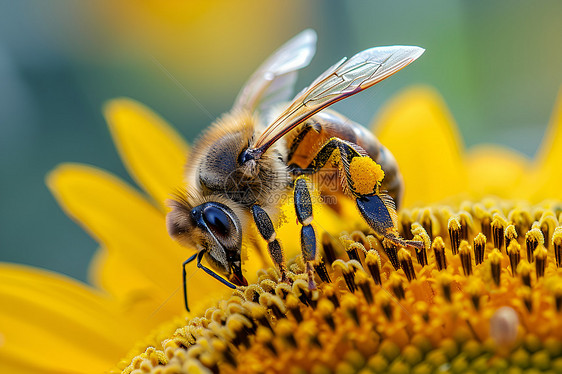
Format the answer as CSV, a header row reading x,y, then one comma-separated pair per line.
x,y
214,228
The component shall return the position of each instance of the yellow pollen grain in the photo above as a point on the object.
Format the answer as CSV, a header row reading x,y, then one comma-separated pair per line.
x,y
366,174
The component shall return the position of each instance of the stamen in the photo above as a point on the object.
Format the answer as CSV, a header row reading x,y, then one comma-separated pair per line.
x,y
495,265
328,247
485,220
454,234
474,289
521,219
320,269
265,336
385,304
391,251
274,304
445,279
514,253
548,222
300,289
533,238
292,304
525,293
331,293
438,247
397,286
557,243
428,221
465,219
540,260
406,220
466,257
421,235
510,234
373,262
363,283
479,248
353,251
283,290
406,264
326,310
285,330
347,273
349,303
524,269
498,227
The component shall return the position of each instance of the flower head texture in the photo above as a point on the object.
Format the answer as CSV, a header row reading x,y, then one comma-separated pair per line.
x,y
483,294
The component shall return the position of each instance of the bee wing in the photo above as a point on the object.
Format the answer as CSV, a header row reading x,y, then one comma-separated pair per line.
x,y
344,79
274,80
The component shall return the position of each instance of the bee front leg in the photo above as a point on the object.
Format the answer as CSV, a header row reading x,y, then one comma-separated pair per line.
x,y
303,208
267,231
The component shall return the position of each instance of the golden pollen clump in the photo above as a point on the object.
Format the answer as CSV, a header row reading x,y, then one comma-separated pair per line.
x,y
465,302
366,174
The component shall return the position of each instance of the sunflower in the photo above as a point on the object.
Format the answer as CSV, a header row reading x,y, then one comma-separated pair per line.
x,y
484,292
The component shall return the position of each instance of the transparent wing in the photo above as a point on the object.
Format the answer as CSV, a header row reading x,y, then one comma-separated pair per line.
x,y
344,79
274,80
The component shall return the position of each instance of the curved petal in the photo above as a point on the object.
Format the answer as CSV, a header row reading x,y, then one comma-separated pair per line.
x,y
53,324
491,168
545,180
127,225
420,132
152,151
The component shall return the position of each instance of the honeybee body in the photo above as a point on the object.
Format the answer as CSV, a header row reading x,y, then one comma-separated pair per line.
x,y
244,165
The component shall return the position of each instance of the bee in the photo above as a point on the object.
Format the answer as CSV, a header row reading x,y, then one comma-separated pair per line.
x,y
261,149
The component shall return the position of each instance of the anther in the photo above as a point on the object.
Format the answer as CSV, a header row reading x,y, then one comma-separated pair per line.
x,y
474,289
391,251
326,310
285,330
558,296
479,248
331,293
525,293
239,325
283,290
274,304
438,247
385,304
557,243
521,219
406,219
495,265
446,279
466,258
426,221
359,237
259,314
347,273
268,285
373,262
349,303
353,251
533,238
322,272
362,282
510,234
454,234
421,254
514,254
547,223
292,304
328,247
540,260
300,289
465,219
485,220
498,227
253,292
406,264
524,269
265,337
397,286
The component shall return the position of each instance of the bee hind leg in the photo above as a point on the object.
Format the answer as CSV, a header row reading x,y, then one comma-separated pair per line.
x,y
303,208
267,231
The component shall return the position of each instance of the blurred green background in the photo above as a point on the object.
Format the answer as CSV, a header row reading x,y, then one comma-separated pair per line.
x,y
497,64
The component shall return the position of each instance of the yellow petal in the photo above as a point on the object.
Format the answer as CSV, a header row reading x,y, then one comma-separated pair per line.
x,y
53,324
420,132
152,151
493,170
546,178
120,219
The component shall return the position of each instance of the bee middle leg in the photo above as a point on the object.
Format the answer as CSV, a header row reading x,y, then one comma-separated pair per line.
x,y
267,231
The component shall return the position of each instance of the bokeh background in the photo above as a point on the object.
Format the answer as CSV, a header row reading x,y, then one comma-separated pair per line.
x,y
497,64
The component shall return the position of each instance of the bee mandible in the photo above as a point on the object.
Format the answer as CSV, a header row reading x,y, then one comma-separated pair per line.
x,y
256,151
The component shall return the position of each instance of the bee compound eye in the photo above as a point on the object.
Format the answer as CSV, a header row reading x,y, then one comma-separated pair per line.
x,y
217,220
